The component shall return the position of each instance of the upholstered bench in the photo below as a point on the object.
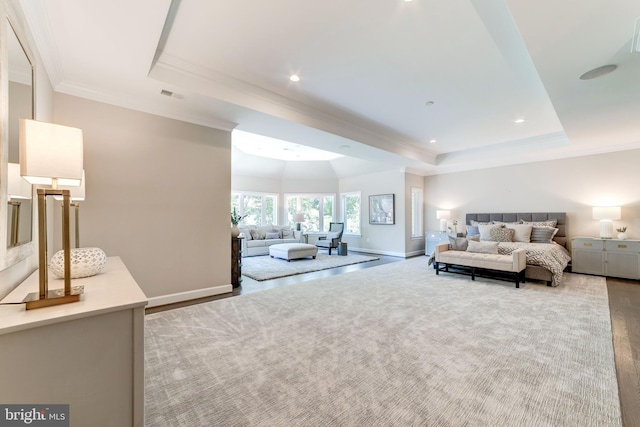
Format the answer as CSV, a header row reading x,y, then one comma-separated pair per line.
x,y
514,264
291,251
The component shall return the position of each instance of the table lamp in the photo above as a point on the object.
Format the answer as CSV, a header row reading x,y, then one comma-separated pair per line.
x,y
606,214
18,189
298,218
443,216
77,195
51,155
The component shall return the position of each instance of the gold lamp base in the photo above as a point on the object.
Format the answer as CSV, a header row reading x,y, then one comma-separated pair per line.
x,y
54,297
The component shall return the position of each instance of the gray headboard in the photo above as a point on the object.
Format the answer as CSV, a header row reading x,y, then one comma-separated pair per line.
x,y
561,217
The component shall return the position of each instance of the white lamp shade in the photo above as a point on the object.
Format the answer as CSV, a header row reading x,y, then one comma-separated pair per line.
x,y
50,153
77,193
606,212
443,214
299,217
17,187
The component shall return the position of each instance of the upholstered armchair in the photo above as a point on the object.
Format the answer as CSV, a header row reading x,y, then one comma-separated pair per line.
x,y
333,237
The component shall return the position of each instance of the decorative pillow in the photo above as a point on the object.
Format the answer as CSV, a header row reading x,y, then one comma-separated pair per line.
x,y
485,230
255,235
476,223
548,223
475,238
505,223
287,234
333,235
458,243
246,232
521,232
543,234
85,262
472,230
272,235
483,247
501,235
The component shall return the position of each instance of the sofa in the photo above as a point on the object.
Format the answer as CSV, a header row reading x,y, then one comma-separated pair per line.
x,y
258,238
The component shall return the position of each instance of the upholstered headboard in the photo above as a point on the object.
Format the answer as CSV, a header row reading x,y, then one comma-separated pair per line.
x,y
561,217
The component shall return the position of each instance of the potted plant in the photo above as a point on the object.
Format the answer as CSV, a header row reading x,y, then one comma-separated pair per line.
x,y
621,232
235,220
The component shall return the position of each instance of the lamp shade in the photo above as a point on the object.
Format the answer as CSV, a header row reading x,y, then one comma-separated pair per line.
x,y
443,214
77,193
299,217
17,187
606,212
50,154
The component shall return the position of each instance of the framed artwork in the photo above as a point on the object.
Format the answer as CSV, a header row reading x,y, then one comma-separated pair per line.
x,y
381,209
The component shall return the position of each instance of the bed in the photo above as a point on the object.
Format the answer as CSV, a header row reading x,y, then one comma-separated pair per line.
x,y
545,261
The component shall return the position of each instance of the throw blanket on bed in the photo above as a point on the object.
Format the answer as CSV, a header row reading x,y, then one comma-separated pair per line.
x,y
551,256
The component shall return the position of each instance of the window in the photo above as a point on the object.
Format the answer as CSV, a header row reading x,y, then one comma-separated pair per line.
x,y
258,209
351,212
416,212
318,210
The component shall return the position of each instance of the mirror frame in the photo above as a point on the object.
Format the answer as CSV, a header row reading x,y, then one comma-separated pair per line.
x,y
9,22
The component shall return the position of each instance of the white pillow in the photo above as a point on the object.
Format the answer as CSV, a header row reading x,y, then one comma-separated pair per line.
x,y
485,230
483,247
522,232
333,235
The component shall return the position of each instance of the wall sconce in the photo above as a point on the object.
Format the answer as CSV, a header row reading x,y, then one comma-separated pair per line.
x,y
298,218
77,195
51,155
605,214
443,216
17,189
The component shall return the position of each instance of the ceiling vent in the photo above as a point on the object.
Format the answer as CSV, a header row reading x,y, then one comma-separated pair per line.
x,y
171,94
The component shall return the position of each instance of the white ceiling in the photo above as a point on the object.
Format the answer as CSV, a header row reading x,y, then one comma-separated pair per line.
x,y
367,70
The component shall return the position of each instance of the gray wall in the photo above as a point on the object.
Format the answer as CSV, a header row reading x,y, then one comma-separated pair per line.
x,y
157,194
567,185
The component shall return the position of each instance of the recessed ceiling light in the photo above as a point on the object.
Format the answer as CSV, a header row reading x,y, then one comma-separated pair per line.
x,y
429,103
598,72
294,78
518,121
432,141
344,147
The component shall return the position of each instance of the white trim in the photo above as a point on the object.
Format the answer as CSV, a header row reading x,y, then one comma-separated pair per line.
x,y
388,253
189,295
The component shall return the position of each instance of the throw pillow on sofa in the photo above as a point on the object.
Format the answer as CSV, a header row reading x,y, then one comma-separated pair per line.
x,y
272,235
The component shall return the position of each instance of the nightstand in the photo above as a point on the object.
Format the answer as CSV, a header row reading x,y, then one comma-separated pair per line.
x,y
606,257
433,238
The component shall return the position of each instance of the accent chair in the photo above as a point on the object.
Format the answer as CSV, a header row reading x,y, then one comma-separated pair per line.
x,y
333,237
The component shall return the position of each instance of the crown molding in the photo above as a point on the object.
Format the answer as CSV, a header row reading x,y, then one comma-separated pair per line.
x,y
135,103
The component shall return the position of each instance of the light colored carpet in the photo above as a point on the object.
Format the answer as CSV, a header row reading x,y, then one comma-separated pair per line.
x,y
392,345
264,267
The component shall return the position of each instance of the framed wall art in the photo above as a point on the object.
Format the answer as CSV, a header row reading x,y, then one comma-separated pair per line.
x,y
381,209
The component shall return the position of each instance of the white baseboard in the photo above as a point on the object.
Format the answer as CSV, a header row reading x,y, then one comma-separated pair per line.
x,y
378,252
189,295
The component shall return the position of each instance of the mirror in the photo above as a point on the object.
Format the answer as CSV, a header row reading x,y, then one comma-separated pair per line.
x,y
21,105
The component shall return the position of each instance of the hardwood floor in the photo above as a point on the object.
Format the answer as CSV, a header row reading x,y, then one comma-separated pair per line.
x,y
624,305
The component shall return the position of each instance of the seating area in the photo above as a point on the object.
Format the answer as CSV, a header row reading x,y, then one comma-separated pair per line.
x,y
333,237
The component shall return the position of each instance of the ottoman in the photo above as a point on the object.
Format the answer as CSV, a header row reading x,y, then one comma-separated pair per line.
x,y
291,251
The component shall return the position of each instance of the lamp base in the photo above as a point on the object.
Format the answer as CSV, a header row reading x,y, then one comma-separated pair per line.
x,y
54,297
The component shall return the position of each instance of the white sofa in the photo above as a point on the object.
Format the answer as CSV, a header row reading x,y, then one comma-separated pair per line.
x,y
257,239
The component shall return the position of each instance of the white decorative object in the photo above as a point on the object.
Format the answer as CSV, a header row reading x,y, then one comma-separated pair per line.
x,y
85,262
622,236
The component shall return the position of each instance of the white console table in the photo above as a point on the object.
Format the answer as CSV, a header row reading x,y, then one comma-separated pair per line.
x,y
606,257
88,354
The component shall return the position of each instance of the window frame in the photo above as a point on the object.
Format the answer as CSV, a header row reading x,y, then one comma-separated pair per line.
x,y
263,205
343,202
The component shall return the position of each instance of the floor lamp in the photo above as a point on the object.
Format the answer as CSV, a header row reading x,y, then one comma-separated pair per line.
x,y
51,155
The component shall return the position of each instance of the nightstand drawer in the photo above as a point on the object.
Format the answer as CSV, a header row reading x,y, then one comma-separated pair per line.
x,y
622,246
584,244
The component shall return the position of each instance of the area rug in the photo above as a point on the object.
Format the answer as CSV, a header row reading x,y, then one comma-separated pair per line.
x,y
264,267
391,345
